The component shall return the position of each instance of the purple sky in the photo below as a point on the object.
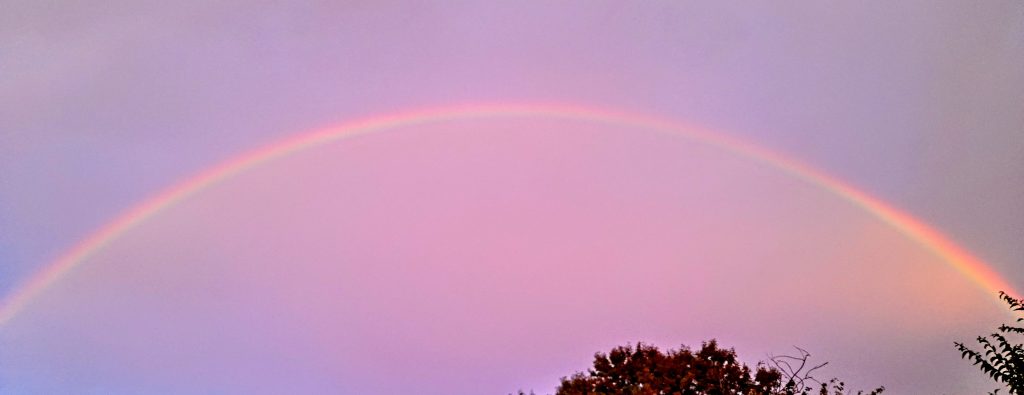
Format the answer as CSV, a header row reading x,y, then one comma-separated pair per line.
x,y
917,103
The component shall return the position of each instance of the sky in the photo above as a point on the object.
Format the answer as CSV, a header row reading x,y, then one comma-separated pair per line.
x,y
488,255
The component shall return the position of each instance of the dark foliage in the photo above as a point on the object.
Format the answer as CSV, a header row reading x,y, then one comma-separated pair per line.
x,y
1000,358
645,370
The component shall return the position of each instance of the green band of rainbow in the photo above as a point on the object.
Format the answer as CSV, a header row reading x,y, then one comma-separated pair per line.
x,y
971,267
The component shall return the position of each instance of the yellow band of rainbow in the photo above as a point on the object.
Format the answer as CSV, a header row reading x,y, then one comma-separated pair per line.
x,y
932,240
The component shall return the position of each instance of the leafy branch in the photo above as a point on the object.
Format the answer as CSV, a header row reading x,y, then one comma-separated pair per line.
x,y
999,357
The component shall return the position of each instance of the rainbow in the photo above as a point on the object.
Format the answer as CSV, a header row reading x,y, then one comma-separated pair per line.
x,y
929,238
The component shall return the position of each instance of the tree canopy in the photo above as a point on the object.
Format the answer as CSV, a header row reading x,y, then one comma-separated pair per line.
x,y
712,370
646,370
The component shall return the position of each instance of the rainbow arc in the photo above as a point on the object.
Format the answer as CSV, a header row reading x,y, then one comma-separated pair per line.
x,y
932,240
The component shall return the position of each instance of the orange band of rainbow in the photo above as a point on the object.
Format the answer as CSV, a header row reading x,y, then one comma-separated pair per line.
x,y
970,266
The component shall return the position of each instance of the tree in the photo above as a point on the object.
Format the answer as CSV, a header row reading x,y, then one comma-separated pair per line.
x,y
645,370
798,379
1001,359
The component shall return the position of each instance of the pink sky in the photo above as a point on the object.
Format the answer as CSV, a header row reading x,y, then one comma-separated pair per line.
x,y
511,240
484,256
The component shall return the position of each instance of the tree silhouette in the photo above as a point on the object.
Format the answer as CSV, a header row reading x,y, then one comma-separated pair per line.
x,y
1001,359
797,376
645,370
